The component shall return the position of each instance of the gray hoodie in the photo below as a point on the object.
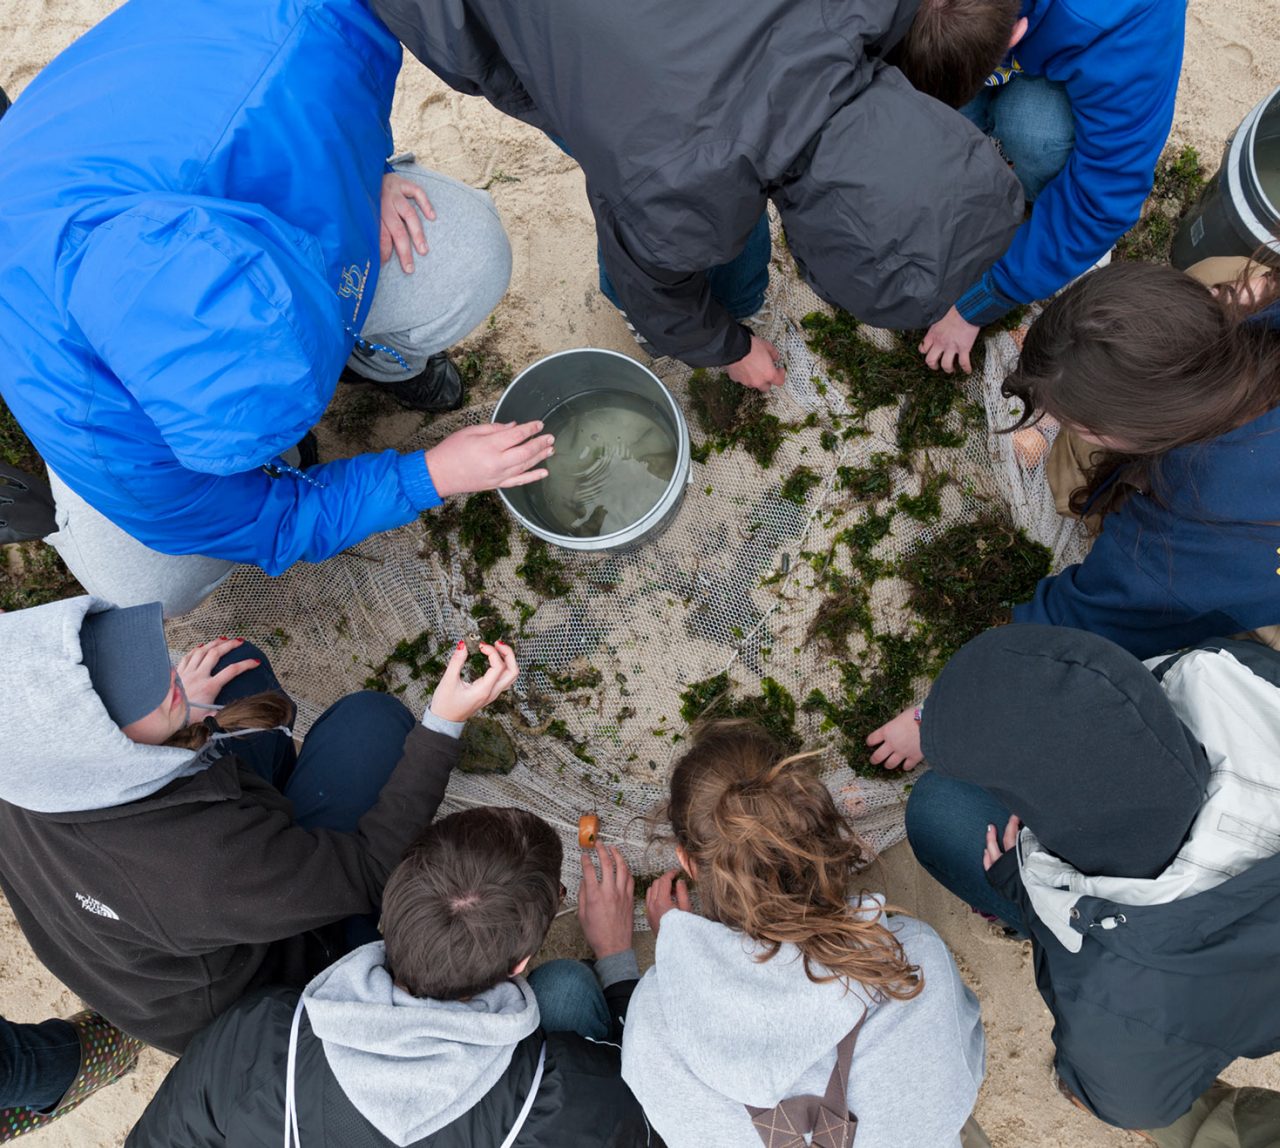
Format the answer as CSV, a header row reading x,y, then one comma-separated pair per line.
x,y
412,1065
711,1029
62,752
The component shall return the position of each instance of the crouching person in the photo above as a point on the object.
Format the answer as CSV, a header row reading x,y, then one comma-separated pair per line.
x,y
1126,818
431,1036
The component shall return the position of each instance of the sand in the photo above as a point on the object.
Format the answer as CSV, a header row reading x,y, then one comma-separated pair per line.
x,y
553,303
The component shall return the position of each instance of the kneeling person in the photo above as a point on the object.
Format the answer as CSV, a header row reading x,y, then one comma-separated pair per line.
x,y
432,1035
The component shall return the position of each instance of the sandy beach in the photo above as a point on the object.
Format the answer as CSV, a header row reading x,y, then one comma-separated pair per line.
x,y
553,303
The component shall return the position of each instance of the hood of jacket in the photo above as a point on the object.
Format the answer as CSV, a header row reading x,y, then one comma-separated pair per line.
x,y
411,1065
63,753
1073,734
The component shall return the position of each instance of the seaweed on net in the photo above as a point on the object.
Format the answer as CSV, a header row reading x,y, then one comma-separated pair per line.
x,y
543,572
796,486
773,708
730,415
844,611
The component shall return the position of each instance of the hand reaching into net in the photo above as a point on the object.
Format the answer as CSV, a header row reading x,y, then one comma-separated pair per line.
x,y
457,700
898,741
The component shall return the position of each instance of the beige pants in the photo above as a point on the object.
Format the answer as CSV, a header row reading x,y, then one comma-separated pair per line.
x,y
972,1136
1225,1117
1069,457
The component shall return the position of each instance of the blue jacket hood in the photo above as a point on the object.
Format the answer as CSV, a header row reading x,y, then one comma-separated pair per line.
x,y
253,340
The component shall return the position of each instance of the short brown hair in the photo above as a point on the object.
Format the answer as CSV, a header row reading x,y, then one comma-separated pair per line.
x,y
952,46
474,896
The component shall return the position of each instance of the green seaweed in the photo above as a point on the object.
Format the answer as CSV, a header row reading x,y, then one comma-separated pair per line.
x,y
798,483
560,731
845,609
482,367
733,415
927,505
966,579
871,482
425,657
581,677
773,708
1179,182
31,574
484,528
544,573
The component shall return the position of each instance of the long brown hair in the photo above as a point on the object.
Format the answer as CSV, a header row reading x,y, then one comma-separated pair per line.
x,y
775,858
1146,356
266,710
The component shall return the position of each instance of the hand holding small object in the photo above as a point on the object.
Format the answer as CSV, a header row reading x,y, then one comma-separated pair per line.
x,y
456,700
670,891
491,456
606,904
760,368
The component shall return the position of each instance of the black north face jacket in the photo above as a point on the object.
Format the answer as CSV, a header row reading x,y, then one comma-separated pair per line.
x,y
228,1091
688,118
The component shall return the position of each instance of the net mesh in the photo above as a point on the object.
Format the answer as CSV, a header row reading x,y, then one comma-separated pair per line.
x,y
595,718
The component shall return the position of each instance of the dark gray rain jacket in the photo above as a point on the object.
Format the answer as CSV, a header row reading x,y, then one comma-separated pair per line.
x,y
687,118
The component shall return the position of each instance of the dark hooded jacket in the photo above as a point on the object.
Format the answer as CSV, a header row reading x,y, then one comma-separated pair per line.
x,y
687,119
1152,900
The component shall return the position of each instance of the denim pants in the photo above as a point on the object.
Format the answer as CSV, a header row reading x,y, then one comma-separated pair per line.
x,y
738,286
346,759
38,1062
947,826
570,999
1031,117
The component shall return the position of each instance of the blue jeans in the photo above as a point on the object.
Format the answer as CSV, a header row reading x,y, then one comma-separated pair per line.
x,y
738,286
1031,117
346,759
947,826
570,999
38,1062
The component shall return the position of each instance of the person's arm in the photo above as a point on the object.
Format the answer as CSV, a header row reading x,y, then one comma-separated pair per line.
x,y
234,1067
606,911
1122,94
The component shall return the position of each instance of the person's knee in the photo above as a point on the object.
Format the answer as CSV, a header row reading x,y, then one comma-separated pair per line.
x,y
1032,120
469,245
370,710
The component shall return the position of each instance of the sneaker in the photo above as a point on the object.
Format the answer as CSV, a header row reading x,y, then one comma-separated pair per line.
x,y
647,347
436,388
106,1055
4,103
26,506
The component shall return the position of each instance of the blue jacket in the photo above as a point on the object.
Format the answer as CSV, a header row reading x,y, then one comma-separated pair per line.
x,y
1207,562
189,216
1120,63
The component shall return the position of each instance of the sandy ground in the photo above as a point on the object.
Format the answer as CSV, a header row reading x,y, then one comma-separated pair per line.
x,y
553,304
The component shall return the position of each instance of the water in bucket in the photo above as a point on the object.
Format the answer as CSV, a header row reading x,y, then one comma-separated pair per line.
x,y
614,458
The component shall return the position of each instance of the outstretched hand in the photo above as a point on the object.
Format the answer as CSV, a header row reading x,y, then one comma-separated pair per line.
x,y
489,457
949,342
992,851
606,904
760,368
456,700
402,229
898,741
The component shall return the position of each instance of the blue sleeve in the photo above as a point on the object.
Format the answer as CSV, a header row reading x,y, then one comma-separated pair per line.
x,y
1121,85
1111,593
275,522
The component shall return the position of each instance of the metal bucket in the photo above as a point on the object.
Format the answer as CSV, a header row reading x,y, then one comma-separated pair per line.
x,y
1239,212
541,388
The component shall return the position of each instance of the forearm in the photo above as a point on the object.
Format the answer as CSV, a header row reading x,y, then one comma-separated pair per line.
x,y
618,975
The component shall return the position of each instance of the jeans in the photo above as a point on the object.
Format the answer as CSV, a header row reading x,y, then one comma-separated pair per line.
x,y
38,1062
1031,117
738,286
346,759
947,826
570,999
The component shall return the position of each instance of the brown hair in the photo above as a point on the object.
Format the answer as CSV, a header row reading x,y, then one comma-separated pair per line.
x,y
266,710
775,858
1146,356
952,46
474,896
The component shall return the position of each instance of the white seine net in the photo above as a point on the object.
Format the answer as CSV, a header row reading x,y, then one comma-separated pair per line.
x,y
684,606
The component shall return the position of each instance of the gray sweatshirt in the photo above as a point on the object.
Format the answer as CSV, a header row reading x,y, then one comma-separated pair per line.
x,y
711,1029
412,1065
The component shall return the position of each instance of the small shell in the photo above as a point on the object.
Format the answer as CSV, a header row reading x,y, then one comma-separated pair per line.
x,y
473,641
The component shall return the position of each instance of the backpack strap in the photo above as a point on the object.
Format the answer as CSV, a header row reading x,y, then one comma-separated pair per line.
x,y
827,1118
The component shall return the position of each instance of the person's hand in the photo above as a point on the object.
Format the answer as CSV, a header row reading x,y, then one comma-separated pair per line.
x,y
668,892
606,905
949,341
759,368
488,457
402,229
199,682
993,851
456,700
899,742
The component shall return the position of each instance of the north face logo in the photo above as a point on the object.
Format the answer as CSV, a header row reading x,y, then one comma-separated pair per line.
x,y
93,905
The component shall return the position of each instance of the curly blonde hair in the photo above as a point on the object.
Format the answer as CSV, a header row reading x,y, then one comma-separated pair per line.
x,y
776,859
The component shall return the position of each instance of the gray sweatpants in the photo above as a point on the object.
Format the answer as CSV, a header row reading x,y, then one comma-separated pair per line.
x,y
452,289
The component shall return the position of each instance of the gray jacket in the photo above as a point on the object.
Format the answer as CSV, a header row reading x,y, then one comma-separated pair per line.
x,y
711,1028
688,118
